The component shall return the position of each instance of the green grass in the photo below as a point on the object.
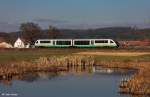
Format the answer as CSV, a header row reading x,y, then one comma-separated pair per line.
x,y
17,55
32,54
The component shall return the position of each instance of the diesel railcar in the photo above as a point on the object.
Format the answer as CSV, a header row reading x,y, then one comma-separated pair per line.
x,y
76,43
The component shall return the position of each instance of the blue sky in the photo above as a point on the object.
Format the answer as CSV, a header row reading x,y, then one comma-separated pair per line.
x,y
74,13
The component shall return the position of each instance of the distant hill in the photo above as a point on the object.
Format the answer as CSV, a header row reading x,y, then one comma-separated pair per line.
x,y
116,33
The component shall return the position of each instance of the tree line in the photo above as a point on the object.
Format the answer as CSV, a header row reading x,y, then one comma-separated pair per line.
x,y
30,32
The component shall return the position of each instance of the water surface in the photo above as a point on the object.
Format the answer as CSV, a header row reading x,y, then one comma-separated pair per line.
x,y
76,82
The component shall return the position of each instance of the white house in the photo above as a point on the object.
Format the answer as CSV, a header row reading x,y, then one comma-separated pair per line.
x,y
19,44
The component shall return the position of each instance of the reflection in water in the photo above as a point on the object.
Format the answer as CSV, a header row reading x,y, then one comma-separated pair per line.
x,y
114,71
74,81
29,77
78,70
75,70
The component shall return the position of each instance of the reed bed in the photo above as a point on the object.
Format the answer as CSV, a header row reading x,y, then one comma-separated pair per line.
x,y
137,84
30,76
45,63
66,61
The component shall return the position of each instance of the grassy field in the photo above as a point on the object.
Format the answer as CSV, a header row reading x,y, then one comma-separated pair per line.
x,y
8,55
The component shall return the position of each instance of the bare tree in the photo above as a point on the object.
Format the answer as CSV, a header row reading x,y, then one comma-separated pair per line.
x,y
53,32
30,32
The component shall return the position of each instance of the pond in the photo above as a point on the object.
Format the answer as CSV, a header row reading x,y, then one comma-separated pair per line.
x,y
75,82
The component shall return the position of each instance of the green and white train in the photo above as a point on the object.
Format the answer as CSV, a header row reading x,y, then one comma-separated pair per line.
x,y
76,43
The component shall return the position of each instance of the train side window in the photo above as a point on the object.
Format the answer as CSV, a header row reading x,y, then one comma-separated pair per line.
x,y
101,41
82,42
111,41
45,41
63,42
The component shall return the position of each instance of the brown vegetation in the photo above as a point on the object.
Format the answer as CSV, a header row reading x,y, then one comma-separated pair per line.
x,y
44,63
57,60
115,53
135,43
139,83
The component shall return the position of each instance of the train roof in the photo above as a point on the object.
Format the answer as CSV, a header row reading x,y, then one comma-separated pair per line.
x,y
76,39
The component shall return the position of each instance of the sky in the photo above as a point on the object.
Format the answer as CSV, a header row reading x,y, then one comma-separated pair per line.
x,y
74,14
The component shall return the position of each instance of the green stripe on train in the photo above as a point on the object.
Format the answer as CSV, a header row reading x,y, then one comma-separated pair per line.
x,y
91,46
77,46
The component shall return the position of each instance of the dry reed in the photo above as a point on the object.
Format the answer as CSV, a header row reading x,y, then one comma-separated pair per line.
x,y
139,83
44,63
